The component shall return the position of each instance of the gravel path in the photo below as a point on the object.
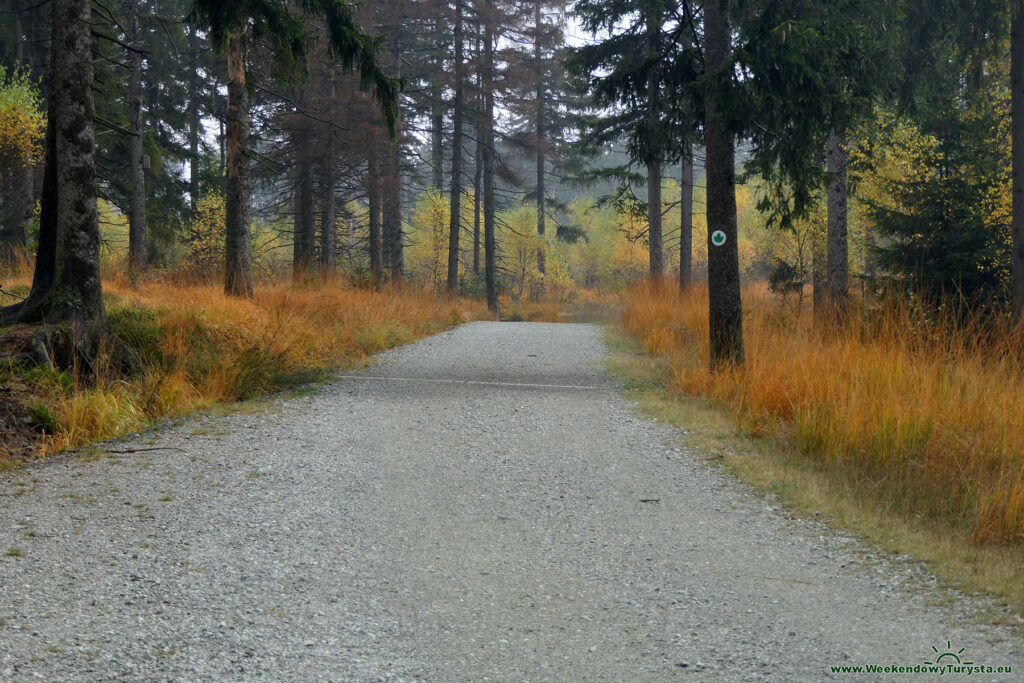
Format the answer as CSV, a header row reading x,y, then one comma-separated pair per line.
x,y
482,505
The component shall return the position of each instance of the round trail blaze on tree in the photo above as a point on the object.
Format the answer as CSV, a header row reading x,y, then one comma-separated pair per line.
x,y
725,308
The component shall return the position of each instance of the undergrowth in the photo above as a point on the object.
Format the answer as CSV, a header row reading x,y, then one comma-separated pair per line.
x,y
916,410
199,347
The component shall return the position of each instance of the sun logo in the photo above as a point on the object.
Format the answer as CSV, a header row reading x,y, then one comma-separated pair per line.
x,y
948,653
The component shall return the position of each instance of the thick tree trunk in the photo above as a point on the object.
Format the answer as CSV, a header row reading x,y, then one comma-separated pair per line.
x,y
838,249
137,204
76,289
238,242
1017,137
490,250
725,308
686,219
455,224
654,229
373,195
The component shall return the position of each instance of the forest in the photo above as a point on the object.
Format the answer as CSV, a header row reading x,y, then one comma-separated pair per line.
x,y
810,215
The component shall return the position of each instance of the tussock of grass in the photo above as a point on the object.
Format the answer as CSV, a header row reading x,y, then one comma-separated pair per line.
x,y
200,347
919,414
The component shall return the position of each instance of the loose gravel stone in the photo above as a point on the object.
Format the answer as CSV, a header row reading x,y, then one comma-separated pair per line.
x,y
482,505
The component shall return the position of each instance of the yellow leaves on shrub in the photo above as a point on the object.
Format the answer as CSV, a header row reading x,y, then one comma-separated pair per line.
x,y
22,121
206,233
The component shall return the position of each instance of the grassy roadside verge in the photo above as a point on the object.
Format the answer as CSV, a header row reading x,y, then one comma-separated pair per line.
x,y
808,488
200,349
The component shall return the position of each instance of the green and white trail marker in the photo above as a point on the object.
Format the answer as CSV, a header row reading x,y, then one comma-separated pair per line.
x,y
718,238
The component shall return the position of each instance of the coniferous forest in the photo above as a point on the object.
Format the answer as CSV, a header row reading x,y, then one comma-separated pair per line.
x,y
809,216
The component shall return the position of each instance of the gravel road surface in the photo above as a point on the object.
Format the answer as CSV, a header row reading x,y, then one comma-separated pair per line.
x,y
481,505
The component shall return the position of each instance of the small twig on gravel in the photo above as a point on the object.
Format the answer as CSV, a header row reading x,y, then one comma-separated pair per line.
x,y
144,450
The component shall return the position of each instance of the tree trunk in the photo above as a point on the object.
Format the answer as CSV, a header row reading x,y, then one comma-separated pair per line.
x,y
437,141
392,210
477,178
455,224
540,142
329,229
137,203
490,256
655,239
76,288
305,218
686,219
654,231
1017,137
373,186
238,242
393,189
194,133
838,249
725,308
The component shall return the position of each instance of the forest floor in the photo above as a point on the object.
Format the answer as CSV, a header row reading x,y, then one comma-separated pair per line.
x,y
482,504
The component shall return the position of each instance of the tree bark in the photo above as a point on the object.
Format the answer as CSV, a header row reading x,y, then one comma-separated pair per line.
x,y
392,213
838,249
686,219
305,217
329,229
455,224
654,222
655,239
541,141
137,203
392,219
437,141
76,288
194,133
373,195
238,241
1017,137
490,256
477,203
725,308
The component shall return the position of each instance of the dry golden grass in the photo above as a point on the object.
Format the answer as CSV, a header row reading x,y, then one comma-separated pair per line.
x,y
200,347
921,414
